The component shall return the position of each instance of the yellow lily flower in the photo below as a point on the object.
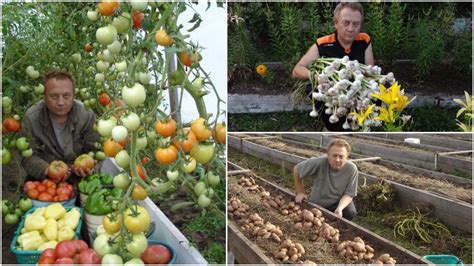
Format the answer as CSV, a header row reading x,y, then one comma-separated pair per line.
x,y
386,115
363,115
388,96
403,102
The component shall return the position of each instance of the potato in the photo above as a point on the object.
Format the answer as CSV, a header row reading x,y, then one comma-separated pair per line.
x,y
359,247
342,253
369,248
368,256
284,212
307,215
286,243
267,235
280,255
378,262
384,257
317,222
276,238
335,238
360,256
291,204
298,225
341,246
255,231
259,222
358,239
308,224
294,257
262,232
285,259
278,231
300,248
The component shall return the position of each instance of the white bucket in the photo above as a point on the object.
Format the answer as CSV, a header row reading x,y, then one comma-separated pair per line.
x,y
92,222
83,197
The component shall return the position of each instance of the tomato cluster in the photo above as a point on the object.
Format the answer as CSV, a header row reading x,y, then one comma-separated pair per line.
x,y
69,252
49,191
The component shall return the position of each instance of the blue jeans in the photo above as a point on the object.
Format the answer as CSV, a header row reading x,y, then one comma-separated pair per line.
x,y
349,212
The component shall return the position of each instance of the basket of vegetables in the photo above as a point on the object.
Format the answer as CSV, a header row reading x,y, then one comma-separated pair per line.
x,y
55,222
91,184
47,192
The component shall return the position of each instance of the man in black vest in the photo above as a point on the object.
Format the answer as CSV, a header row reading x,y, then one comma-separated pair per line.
x,y
347,40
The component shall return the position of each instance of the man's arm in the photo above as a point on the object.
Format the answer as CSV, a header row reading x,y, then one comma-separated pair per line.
x,y
369,56
301,71
34,165
345,200
298,186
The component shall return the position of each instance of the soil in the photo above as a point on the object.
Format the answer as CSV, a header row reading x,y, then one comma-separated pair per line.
x,y
459,243
444,80
403,176
318,252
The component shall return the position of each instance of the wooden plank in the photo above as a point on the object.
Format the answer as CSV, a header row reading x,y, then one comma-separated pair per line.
x,y
454,165
244,250
454,152
382,244
237,172
447,141
460,210
366,159
257,103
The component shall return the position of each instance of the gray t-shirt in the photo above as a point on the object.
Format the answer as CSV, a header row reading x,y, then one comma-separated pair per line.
x,y
59,131
329,185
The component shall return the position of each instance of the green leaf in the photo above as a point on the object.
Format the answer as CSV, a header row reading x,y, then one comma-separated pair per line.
x,y
460,112
180,205
196,25
195,18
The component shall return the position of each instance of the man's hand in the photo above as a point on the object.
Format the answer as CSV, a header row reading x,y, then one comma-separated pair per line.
x,y
57,180
300,197
82,172
338,212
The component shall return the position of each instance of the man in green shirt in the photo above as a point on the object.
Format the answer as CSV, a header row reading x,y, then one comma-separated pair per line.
x,y
334,180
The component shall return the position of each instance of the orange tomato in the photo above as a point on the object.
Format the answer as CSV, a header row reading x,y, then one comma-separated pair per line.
x,y
11,124
88,47
185,59
138,193
185,142
63,197
111,148
145,160
29,185
140,171
51,191
219,133
165,128
41,188
166,155
107,8
162,38
199,129
45,197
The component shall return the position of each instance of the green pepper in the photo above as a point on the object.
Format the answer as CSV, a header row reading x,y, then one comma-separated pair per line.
x,y
93,186
117,192
82,186
106,179
97,204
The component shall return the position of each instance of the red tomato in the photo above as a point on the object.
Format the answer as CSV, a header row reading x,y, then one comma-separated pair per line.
x,y
57,171
156,254
46,261
84,162
63,184
137,19
49,183
62,191
145,160
104,99
65,249
45,197
51,191
81,245
29,185
89,256
49,252
65,260
11,124
55,198
140,171
41,188
33,194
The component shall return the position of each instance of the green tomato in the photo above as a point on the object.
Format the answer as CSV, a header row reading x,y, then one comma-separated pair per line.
x,y
6,101
27,153
11,144
22,143
6,156
122,23
11,219
200,188
5,207
138,244
212,178
204,201
172,175
134,96
100,155
101,245
112,259
189,164
76,58
18,212
25,204
122,159
202,152
106,35
39,89
121,180
134,261
92,15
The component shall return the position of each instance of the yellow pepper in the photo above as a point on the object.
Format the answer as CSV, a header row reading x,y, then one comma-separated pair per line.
x,y
49,244
51,229
30,241
33,222
55,211
65,233
71,218
39,211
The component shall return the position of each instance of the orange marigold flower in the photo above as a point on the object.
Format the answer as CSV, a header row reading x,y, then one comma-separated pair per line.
x,y
261,70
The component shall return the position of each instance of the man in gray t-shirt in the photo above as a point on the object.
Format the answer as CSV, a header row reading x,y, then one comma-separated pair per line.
x,y
334,179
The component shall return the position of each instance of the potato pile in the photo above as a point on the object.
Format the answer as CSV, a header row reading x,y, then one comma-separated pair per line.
x,y
256,225
327,232
289,251
385,259
237,209
268,230
308,219
355,250
274,202
292,210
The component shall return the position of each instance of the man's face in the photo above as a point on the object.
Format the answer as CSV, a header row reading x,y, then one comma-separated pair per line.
x,y
337,157
59,96
348,24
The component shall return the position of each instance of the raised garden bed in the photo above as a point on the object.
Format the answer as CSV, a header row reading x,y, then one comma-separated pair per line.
x,y
419,155
318,252
380,221
451,209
